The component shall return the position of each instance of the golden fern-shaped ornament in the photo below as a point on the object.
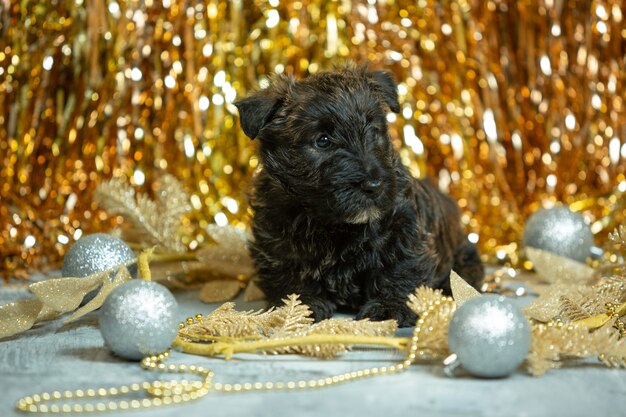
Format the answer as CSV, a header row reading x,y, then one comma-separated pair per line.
x,y
294,316
423,297
577,302
234,331
555,343
150,222
435,339
226,322
339,326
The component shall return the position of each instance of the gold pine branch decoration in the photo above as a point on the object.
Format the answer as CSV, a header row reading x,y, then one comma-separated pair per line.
x,y
577,301
556,342
586,302
285,330
293,317
150,222
435,341
341,326
227,323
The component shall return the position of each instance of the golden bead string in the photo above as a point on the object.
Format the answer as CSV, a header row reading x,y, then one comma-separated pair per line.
x,y
163,393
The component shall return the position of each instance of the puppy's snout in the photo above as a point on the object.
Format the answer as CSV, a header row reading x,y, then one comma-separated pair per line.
x,y
371,186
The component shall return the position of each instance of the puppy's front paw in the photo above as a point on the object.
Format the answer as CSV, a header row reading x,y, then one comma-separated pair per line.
x,y
321,309
385,310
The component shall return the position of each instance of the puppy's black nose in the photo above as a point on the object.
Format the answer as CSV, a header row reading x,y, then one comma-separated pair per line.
x,y
371,186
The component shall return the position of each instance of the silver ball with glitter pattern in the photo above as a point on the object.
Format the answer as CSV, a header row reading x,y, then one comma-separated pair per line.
x,y
96,253
559,230
139,318
489,335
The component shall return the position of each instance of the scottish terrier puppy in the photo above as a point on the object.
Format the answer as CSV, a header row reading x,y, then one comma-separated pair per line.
x,y
338,218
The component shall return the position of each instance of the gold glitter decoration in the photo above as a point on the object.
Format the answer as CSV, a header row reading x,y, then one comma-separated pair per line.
x,y
553,268
508,104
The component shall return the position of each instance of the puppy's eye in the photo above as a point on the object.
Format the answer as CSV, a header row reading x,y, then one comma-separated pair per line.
x,y
323,142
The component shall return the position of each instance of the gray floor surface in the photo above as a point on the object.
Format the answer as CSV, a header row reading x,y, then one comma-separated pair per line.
x,y
54,356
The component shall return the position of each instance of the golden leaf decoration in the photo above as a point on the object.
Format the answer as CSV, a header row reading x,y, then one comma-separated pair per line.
x,y
552,267
253,292
150,222
461,290
573,311
57,296
121,277
65,294
434,339
18,316
229,256
219,290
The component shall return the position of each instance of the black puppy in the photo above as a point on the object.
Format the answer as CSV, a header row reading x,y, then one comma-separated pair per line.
x,y
338,218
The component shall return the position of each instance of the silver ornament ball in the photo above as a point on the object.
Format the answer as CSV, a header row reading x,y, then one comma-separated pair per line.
x,y
489,335
96,253
139,318
559,230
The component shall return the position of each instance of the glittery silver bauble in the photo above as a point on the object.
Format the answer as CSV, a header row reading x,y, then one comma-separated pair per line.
x,y
96,253
489,335
559,230
139,318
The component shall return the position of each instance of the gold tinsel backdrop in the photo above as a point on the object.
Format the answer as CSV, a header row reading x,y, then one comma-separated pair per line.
x,y
508,104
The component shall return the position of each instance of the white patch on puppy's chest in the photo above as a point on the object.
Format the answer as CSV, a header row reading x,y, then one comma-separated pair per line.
x,y
364,216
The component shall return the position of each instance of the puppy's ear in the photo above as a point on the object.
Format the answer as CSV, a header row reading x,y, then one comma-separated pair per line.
x,y
256,111
387,87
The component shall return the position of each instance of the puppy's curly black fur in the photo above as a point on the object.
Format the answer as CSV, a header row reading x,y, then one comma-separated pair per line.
x,y
338,218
